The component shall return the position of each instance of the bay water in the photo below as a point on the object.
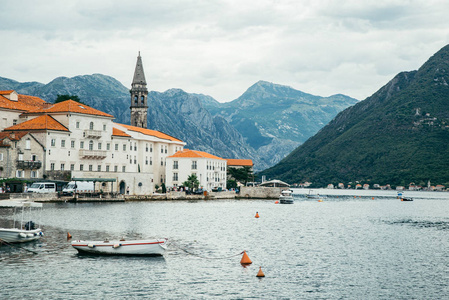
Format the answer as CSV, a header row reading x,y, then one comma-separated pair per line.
x,y
368,245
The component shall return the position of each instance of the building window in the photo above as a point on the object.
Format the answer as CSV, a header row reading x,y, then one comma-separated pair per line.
x,y
53,142
72,144
104,127
115,168
146,147
1,156
194,165
62,143
28,144
81,167
91,167
33,157
52,166
33,174
162,161
14,122
82,145
123,169
166,149
107,168
99,146
151,161
175,176
77,124
175,164
162,149
116,147
91,145
124,147
135,159
151,147
146,160
19,174
99,168
72,167
91,125
62,167
135,146
108,146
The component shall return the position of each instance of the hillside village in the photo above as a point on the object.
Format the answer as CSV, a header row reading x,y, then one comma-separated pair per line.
x,y
72,141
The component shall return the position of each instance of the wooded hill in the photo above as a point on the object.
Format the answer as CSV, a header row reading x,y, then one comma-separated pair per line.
x,y
397,136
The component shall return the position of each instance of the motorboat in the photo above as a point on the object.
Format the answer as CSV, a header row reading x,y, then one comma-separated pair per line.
x,y
152,247
406,199
286,197
21,231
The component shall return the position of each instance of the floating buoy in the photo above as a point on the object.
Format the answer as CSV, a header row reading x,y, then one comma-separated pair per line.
x,y
257,214
321,200
276,202
69,236
260,273
245,259
373,198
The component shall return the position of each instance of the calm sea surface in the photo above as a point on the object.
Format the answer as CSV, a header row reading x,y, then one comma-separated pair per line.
x,y
344,247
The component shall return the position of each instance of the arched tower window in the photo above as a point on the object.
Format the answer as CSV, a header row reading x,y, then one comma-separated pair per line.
x,y
91,145
142,98
136,100
91,125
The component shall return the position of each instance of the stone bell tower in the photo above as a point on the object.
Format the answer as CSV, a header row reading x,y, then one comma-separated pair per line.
x,y
139,95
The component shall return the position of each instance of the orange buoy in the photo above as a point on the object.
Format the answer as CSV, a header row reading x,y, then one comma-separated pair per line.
x,y
260,273
69,236
245,259
276,202
321,200
257,214
373,198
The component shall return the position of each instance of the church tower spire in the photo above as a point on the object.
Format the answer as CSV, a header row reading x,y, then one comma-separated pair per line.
x,y
139,95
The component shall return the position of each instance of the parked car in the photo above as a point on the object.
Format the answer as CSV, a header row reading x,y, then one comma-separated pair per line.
x,y
42,187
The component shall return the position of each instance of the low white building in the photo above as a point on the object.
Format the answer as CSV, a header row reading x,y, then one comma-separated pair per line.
x,y
209,169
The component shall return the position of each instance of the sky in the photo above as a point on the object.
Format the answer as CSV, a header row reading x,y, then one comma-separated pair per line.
x,y
221,48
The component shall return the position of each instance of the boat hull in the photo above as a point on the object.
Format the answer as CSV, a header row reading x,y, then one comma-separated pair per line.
x,y
286,200
14,235
137,247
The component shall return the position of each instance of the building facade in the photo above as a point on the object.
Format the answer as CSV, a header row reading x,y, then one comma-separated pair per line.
x,y
209,169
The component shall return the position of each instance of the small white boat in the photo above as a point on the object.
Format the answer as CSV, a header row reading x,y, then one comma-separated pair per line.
x,y
21,232
311,195
133,247
286,197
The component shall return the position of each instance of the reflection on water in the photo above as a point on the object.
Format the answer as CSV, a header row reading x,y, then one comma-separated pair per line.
x,y
356,248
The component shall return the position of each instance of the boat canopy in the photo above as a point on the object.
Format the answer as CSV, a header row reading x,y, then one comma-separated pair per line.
x,y
274,183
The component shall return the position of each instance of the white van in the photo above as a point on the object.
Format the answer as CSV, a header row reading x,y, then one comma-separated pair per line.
x,y
78,186
42,187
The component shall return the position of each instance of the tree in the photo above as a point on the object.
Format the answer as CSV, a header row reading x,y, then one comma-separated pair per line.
x,y
61,98
231,184
242,175
191,182
164,189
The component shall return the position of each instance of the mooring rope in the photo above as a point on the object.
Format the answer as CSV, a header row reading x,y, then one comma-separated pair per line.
x,y
16,246
201,256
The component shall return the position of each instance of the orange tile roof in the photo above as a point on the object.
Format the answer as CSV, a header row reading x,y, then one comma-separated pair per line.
x,y
194,153
23,103
239,162
44,122
73,107
150,132
13,136
118,132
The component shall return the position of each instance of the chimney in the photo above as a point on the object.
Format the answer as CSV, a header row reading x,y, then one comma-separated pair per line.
x,y
47,105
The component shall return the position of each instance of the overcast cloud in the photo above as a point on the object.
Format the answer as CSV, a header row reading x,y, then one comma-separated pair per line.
x,y
220,48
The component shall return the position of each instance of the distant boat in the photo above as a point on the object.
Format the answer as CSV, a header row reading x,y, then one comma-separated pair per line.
x,y
21,232
406,199
153,247
286,197
311,195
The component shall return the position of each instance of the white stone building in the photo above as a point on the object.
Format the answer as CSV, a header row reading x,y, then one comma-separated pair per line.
x,y
209,169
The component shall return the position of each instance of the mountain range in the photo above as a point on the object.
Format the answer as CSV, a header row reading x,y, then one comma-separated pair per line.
x,y
397,136
264,124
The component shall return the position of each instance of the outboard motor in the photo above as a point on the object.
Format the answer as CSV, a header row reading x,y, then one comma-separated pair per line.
x,y
30,225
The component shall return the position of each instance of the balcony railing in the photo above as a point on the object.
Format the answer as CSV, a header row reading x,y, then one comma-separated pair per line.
x,y
94,154
29,164
96,134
